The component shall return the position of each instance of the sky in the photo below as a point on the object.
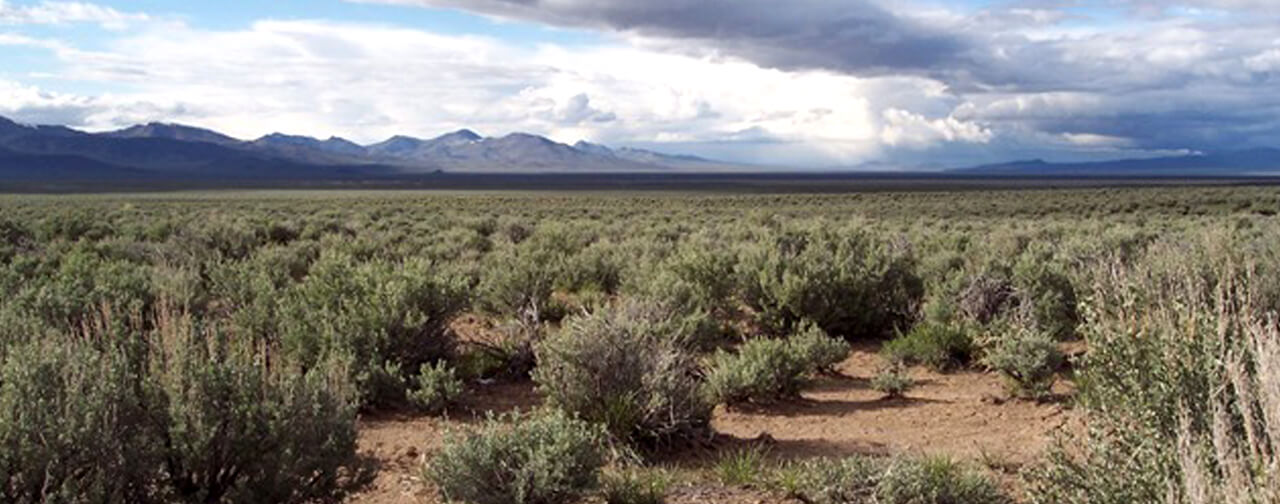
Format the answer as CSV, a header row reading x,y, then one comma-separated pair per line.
x,y
800,83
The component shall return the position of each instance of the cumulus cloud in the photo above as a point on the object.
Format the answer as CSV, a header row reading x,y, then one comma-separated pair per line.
x,y
1160,74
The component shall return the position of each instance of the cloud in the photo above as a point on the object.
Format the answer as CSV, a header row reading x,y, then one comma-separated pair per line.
x,y
50,12
798,34
817,83
1160,74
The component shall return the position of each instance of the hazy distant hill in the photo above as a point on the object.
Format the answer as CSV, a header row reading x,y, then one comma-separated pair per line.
x,y
1246,162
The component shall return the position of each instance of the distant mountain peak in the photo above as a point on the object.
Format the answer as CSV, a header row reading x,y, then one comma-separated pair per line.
x,y
333,145
172,131
465,134
594,148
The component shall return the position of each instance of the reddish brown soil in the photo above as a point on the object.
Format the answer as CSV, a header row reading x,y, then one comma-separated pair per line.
x,y
964,415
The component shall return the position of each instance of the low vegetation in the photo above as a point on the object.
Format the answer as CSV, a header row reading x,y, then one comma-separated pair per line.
x,y
902,480
544,458
766,369
219,348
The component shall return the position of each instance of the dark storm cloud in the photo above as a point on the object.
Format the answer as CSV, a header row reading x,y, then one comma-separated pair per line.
x,y
853,36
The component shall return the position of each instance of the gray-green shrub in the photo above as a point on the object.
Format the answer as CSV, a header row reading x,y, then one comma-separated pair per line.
x,y
849,282
1028,359
435,388
818,350
373,314
180,414
627,368
764,369
938,346
546,458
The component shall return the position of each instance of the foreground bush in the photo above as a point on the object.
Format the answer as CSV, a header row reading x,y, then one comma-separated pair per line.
x,y
768,369
183,415
72,426
938,346
547,458
1179,384
626,368
848,282
866,480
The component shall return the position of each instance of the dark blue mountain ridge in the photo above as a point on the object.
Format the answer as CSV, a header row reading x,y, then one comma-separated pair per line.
x,y
1256,161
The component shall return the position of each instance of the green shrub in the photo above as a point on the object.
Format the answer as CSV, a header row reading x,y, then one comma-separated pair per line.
x,y
1183,347
73,428
548,458
893,382
517,281
768,369
597,268
866,480
435,388
238,431
180,415
1048,293
79,285
376,315
697,276
848,282
625,367
1029,361
761,370
938,346
817,350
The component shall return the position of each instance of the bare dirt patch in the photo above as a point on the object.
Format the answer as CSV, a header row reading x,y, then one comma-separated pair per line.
x,y
964,415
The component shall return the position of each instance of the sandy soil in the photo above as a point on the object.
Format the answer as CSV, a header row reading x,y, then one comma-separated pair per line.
x,y
964,415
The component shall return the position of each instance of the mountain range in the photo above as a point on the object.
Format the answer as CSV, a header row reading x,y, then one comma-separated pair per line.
x,y
159,151
156,150
1251,162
